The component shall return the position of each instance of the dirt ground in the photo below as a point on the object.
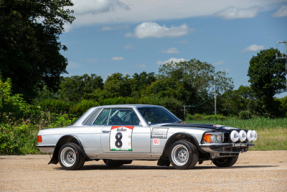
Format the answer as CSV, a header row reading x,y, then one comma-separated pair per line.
x,y
254,171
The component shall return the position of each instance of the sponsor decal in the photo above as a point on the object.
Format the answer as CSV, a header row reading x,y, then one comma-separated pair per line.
x,y
156,141
159,133
121,138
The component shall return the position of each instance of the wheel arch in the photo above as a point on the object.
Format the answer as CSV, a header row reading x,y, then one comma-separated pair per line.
x,y
180,136
63,140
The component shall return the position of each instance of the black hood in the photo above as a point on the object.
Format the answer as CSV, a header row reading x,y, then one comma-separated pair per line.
x,y
198,126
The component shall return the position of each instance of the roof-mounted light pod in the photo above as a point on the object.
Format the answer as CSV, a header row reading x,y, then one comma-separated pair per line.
x,y
234,136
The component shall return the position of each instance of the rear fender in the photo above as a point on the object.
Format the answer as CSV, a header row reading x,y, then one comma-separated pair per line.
x,y
63,140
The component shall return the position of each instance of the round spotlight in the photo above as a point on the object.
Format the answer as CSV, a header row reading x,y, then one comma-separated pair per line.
x,y
254,135
250,136
234,136
242,136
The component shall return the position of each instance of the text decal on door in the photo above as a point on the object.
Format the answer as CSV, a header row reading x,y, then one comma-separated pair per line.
x,y
121,138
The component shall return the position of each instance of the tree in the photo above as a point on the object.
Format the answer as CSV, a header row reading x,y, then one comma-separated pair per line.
x,y
117,85
267,78
76,88
29,48
192,81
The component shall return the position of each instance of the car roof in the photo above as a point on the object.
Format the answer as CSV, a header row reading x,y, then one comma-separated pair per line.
x,y
127,105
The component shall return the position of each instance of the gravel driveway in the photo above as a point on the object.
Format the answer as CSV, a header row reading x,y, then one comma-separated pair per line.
x,y
254,171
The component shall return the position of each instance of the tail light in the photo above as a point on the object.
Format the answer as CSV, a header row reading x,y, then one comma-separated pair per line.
x,y
39,137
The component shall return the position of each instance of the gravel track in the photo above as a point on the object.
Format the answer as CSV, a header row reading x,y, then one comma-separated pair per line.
x,y
254,171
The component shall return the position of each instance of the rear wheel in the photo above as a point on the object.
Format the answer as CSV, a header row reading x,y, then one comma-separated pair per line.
x,y
183,155
70,156
225,162
113,163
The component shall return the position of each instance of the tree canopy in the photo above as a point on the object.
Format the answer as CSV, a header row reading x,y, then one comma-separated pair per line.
x,y
29,49
267,78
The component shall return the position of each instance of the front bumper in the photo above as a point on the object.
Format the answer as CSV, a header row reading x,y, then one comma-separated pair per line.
x,y
46,148
226,148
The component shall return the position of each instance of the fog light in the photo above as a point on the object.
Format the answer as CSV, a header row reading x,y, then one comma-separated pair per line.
x,y
242,136
234,136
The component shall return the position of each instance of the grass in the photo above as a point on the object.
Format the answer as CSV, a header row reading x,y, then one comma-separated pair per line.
x,y
272,133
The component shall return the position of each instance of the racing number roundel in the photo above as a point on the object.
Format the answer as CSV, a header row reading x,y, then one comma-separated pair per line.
x,y
121,138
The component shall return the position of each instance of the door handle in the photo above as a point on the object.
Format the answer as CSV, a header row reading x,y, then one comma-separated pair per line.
x,y
105,131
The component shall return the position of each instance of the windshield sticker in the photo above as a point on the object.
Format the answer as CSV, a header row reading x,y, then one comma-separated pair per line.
x,y
159,133
121,138
156,141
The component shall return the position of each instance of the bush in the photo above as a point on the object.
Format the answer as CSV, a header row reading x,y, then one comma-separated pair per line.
x,y
202,117
55,105
244,115
81,107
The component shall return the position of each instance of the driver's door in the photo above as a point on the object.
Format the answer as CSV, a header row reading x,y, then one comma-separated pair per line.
x,y
122,135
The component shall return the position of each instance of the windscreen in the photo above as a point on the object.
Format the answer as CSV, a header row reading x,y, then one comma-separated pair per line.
x,y
157,115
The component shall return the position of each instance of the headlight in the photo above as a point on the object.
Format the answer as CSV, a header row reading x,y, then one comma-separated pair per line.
x,y
213,137
242,136
234,136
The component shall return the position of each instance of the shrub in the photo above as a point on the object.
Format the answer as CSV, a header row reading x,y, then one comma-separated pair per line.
x,y
244,115
81,107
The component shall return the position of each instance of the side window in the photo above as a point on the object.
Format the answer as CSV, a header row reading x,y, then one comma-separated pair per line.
x,y
103,117
123,116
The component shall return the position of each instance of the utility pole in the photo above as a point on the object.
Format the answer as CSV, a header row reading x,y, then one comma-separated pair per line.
x,y
283,58
215,98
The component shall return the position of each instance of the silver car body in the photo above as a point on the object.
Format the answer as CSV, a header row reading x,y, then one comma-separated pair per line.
x,y
148,141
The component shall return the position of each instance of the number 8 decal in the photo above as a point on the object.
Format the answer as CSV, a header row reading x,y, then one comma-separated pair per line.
x,y
121,138
119,142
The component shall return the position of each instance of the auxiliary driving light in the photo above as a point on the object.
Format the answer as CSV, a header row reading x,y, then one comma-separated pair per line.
x,y
234,136
242,136
250,136
254,135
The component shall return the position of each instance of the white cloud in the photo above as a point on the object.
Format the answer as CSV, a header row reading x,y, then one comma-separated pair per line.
x,y
219,63
90,12
235,13
97,6
140,66
226,70
182,42
282,12
175,60
107,28
90,60
73,65
129,46
117,58
253,47
170,50
153,30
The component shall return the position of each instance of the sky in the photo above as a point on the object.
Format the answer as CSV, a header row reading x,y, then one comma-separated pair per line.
x,y
132,36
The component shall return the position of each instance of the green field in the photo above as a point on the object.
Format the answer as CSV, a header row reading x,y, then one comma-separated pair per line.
x,y
272,133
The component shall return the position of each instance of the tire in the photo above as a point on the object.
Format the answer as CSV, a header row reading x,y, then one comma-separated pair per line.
x,y
183,155
71,157
225,162
113,163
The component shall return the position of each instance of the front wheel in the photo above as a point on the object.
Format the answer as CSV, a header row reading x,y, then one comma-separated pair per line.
x,y
70,156
183,155
225,162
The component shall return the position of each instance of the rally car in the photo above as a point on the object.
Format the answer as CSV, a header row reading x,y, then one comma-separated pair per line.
x,y
119,134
